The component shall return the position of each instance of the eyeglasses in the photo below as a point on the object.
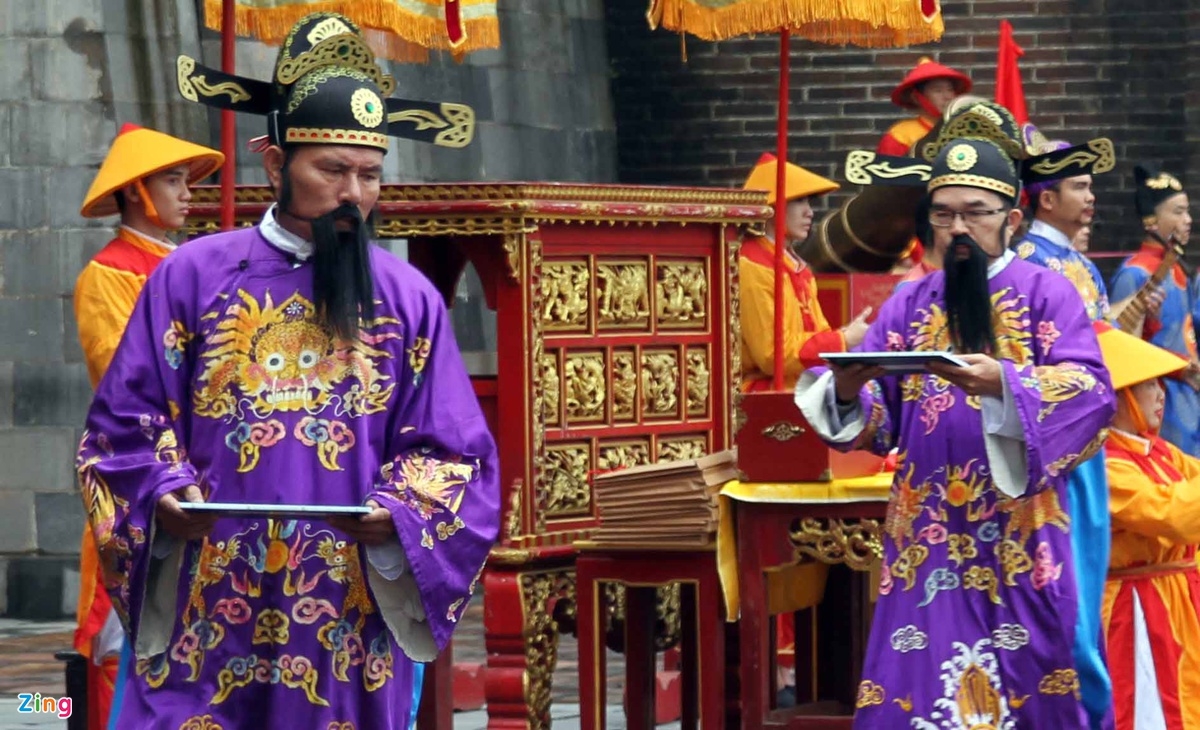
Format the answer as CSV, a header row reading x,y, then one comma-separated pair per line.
x,y
971,218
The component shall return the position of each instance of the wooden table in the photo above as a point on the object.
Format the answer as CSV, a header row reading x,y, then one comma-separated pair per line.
x,y
776,525
702,645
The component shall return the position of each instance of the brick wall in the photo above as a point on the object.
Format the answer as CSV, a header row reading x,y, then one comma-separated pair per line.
x,y
1092,68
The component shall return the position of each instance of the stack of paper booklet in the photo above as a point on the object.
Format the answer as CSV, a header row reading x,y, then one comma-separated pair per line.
x,y
672,502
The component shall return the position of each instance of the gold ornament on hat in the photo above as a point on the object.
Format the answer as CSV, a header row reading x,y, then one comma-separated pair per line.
x,y
1163,181
961,158
367,108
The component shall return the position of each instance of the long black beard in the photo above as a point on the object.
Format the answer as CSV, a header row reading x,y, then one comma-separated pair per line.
x,y
968,302
343,288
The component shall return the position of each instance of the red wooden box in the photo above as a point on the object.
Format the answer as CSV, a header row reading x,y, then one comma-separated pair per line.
x,y
776,444
843,296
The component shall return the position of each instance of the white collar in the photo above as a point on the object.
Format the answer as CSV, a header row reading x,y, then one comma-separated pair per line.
x,y
999,264
1050,233
161,242
1143,443
283,239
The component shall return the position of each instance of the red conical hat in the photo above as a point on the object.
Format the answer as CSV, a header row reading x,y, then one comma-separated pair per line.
x,y
926,70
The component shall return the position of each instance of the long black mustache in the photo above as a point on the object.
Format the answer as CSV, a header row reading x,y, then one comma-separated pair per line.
x,y
343,288
968,302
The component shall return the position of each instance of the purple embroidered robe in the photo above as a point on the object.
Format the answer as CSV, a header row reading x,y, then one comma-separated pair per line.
x,y
977,602
225,379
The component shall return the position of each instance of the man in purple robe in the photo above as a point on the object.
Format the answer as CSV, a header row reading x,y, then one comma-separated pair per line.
x,y
977,603
290,363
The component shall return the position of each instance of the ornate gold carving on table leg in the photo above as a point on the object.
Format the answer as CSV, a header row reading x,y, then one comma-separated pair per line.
x,y
565,295
855,544
585,380
624,386
622,294
698,377
512,254
660,383
541,594
622,454
551,387
537,344
567,467
682,294
679,449
733,345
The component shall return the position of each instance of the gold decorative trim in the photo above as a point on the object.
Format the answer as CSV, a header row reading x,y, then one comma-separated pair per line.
x,y
509,556
184,66
783,431
345,50
539,594
235,90
857,545
335,136
513,245
974,181
861,169
1100,157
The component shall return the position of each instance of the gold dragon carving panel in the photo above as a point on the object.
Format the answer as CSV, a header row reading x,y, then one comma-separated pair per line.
x,y
660,383
566,478
623,294
681,448
624,385
565,292
622,454
681,294
584,377
698,380
551,387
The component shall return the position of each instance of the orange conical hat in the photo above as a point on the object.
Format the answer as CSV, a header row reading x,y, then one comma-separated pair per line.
x,y
1131,360
137,153
798,182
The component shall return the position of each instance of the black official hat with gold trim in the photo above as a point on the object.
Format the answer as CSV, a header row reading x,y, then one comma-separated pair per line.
x,y
971,121
319,42
1153,187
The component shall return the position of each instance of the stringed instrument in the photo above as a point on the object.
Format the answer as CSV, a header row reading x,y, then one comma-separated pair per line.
x,y
1135,310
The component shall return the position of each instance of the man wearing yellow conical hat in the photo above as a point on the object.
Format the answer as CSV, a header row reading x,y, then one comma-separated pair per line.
x,y
1151,609
806,332
145,179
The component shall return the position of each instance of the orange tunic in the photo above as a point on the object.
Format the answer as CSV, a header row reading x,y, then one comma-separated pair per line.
x,y
902,135
105,294
1151,608
806,333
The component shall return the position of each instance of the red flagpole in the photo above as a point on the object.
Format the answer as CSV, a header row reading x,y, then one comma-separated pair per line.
x,y
781,145
228,120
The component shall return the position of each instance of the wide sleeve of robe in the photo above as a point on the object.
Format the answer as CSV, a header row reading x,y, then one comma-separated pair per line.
x,y
131,453
440,481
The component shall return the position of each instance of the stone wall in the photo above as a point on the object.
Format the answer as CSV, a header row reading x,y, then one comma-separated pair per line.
x,y
74,70
1091,68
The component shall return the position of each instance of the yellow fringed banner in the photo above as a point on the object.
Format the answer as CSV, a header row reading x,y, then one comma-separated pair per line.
x,y
408,29
868,23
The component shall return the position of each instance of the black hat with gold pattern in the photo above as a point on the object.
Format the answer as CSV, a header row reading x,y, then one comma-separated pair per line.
x,y
976,163
1153,187
318,42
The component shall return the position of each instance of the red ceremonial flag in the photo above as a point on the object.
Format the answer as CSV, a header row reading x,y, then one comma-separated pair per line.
x,y
1009,92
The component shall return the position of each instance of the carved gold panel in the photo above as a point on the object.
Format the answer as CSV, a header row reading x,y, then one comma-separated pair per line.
x,y
565,291
679,448
567,468
624,385
660,383
551,387
584,378
698,380
681,294
623,294
620,454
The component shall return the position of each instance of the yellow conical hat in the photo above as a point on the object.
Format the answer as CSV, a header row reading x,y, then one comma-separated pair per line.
x,y
1131,360
137,153
798,182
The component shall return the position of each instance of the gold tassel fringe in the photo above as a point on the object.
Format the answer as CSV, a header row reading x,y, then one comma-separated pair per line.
x,y
409,37
868,23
